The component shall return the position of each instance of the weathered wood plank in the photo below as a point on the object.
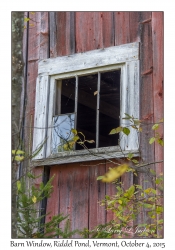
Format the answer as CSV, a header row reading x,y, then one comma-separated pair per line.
x,y
110,191
65,33
88,31
122,28
130,91
158,71
80,196
51,113
97,213
44,35
90,59
40,120
54,200
82,156
53,33
146,96
135,17
107,19
157,35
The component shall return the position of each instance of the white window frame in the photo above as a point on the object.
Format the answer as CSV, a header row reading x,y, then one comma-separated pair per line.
x,y
124,57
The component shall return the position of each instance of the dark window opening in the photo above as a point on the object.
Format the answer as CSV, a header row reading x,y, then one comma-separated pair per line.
x,y
91,105
87,104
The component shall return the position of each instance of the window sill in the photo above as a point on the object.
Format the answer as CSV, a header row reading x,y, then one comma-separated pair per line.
x,y
84,155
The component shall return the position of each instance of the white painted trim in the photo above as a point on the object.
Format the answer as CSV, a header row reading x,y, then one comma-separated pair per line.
x,y
91,59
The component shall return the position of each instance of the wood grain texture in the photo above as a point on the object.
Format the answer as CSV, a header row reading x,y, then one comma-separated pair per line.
x,y
82,156
53,200
88,31
146,104
157,36
107,19
97,213
78,182
90,59
40,120
122,28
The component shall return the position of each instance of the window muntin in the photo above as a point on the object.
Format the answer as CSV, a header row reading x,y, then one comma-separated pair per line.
x,y
93,109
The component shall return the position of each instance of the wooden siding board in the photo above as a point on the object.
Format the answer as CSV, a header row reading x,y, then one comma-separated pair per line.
x,y
146,103
97,213
107,19
157,34
135,18
122,31
53,34
110,191
65,33
53,200
40,120
44,36
80,197
88,31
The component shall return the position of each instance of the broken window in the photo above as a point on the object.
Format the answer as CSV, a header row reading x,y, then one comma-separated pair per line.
x,y
91,105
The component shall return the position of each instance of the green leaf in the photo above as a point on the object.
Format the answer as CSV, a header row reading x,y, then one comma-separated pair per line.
x,y
126,131
31,176
19,158
135,161
120,202
130,155
116,130
26,19
18,183
34,199
155,126
152,140
74,131
131,191
158,181
160,141
128,115
18,152
75,138
147,205
152,172
100,178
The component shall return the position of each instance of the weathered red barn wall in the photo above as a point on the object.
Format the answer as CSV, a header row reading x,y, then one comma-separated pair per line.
x,y
76,191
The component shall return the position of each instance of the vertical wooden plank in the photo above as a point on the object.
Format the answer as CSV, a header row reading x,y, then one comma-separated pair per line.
x,y
107,19
37,49
97,213
88,31
135,18
74,191
65,33
44,36
146,96
122,31
53,201
130,89
157,38
53,34
110,191
40,121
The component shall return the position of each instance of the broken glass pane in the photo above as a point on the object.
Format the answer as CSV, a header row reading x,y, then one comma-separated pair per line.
x,y
61,133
